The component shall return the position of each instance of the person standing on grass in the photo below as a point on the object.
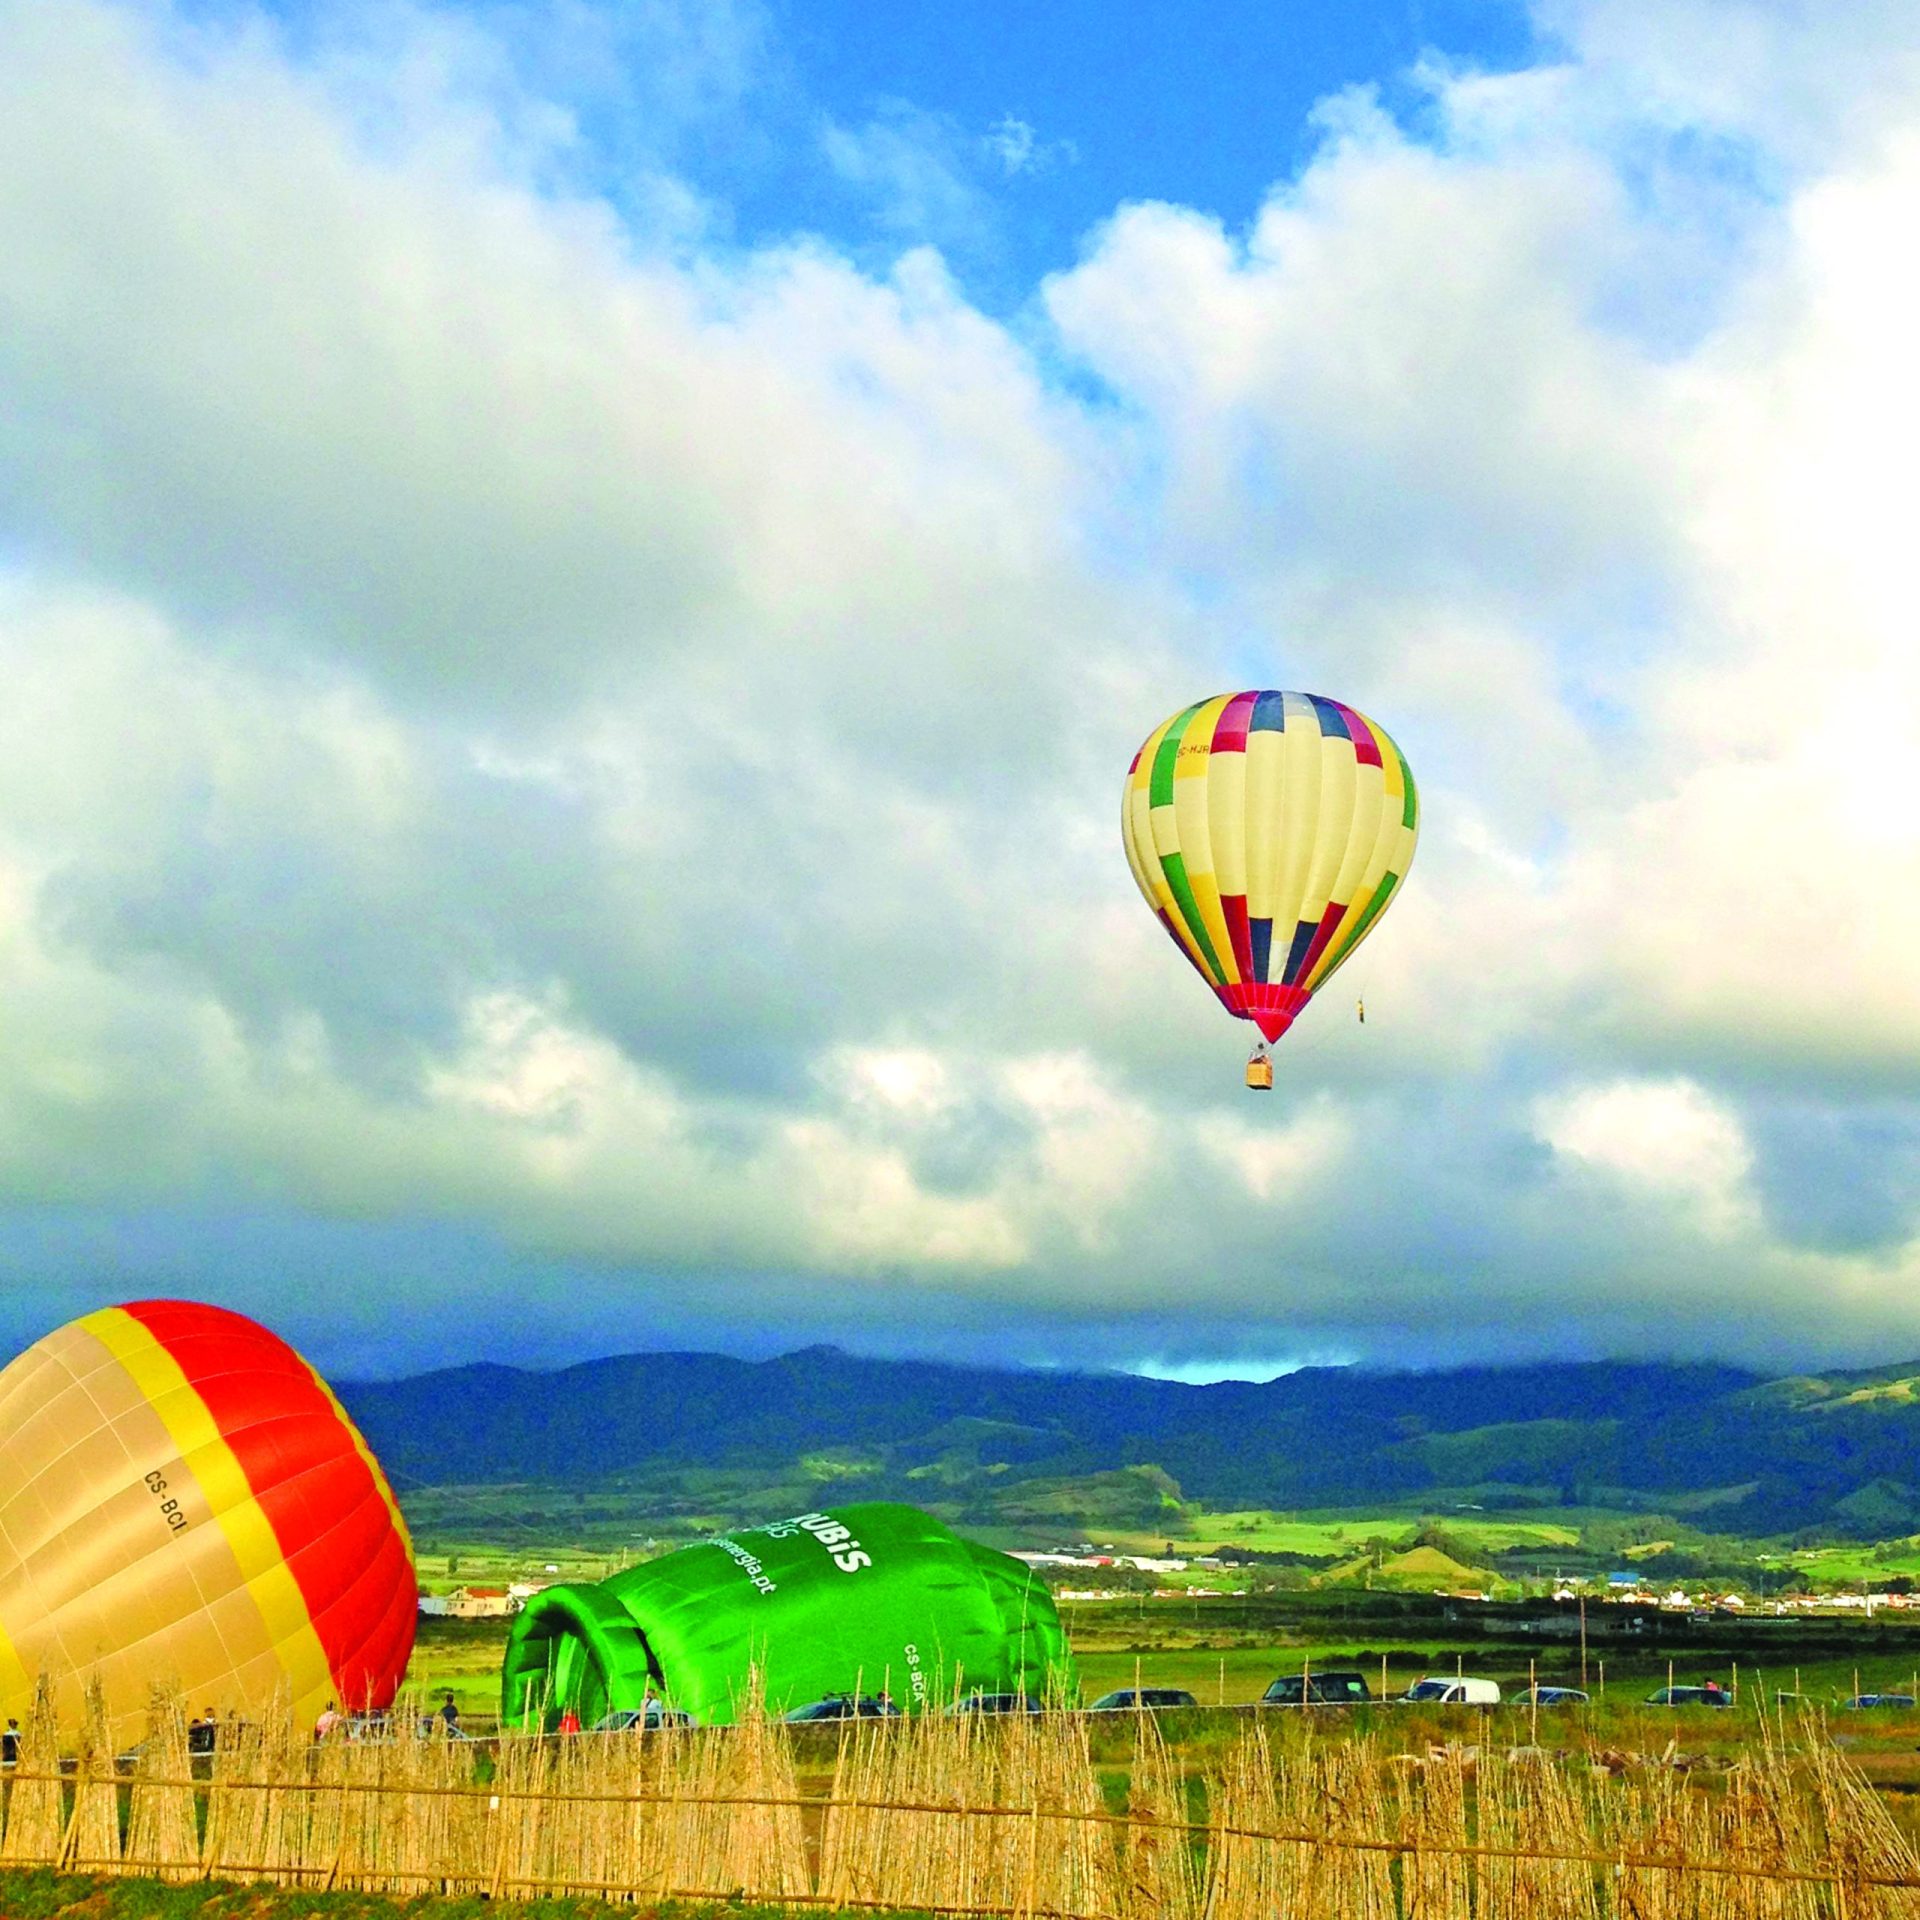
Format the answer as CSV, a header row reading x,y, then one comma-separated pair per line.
x,y
569,1721
324,1727
10,1744
449,1715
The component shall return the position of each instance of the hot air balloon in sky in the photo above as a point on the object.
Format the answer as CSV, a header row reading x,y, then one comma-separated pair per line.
x,y
1269,831
182,1499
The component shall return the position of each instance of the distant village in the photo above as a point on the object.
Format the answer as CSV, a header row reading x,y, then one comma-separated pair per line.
x,y
1625,1589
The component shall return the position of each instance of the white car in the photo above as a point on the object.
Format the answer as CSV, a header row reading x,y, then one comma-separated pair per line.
x,y
1452,1690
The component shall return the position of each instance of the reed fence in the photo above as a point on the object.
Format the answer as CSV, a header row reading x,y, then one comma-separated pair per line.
x,y
965,1815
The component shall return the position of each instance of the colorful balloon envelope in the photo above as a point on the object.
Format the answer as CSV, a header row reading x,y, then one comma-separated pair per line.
x,y
1269,831
183,1500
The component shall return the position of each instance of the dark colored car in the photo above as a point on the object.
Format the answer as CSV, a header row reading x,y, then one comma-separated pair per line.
x,y
1142,1699
1330,1689
648,1719
996,1703
1865,1702
1690,1697
844,1706
1550,1697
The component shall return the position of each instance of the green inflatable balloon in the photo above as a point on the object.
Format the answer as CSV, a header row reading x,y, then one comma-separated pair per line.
x,y
863,1598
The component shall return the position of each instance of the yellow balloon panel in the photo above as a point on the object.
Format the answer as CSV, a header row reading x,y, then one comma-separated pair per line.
x,y
1269,830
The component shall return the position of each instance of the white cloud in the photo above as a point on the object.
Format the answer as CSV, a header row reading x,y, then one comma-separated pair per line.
x,y
1279,1164
910,166
610,745
1800,81
1017,149
1662,1138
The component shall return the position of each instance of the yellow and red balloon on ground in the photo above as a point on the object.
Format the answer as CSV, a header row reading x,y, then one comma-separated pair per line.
x,y
1269,831
183,1500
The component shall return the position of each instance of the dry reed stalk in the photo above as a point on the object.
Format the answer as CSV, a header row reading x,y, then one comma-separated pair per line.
x,y
1862,1843
1530,1799
1045,1860
36,1813
1338,1791
590,1767
686,1826
1356,1805
1435,1878
1083,1876
550,1864
954,1759
394,1786
236,1816
952,1811
1242,1877
407,1810
163,1837
1305,1875
956,1812
648,1761
1157,1869
1644,1812
374,1781
629,1763
449,1831
92,1842
1762,1822
762,1848
1273,1789
876,1847
685,1822
513,1822
332,1855
286,1804
853,1845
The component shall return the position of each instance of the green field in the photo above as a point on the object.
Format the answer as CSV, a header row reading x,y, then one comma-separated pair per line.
x,y
1336,1537
1854,1565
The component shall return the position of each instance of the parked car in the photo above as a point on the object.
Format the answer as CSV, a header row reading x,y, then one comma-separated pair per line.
x,y
845,1706
1690,1697
996,1703
1452,1690
1142,1700
648,1719
1331,1689
1866,1702
1543,1696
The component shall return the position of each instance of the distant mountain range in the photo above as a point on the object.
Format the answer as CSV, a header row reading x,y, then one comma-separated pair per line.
x,y
1735,1451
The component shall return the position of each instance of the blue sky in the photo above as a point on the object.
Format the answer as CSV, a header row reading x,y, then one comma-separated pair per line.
x,y
1081,107
577,583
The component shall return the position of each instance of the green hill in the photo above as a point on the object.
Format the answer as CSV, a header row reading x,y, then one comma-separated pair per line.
x,y
698,1434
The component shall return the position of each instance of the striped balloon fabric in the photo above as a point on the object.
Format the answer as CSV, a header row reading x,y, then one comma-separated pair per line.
x,y
1269,831
183,1499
